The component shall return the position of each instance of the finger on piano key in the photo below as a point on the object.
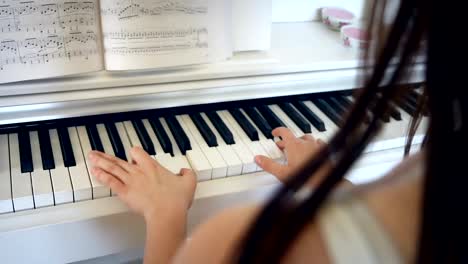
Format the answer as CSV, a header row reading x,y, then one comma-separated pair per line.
x,y
6,203
161,134
310,116
99,190
66,147
46,149
254,146
178,161
234,163
80,178
116,141
292,113
286,120
41,182
127,145
143,136
258,120
204,130
268,145
331,113
196,157
93,138
221,127
273,120
243,123
214,158
179,135
25,151
106,143
21,188
63,191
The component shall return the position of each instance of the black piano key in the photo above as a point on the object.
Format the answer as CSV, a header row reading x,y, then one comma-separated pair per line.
x,y
161,134
145,139
311,116
223,130
179,135
339,108
407,107
348,104
45,146
344,101
25,151
273,120
413,97
248,128
94,139
116,141
328,110
296,117
261,123
66,147
395,113
204,129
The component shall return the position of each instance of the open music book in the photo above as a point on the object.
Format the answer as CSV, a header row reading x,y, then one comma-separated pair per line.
x,y
50,38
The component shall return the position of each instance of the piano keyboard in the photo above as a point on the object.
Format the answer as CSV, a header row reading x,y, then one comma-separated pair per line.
x,y
48,163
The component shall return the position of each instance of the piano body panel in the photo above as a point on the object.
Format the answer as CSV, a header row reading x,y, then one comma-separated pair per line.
x,y
103,227
51,106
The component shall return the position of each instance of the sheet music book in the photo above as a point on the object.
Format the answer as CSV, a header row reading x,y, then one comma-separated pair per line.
x,y
51,38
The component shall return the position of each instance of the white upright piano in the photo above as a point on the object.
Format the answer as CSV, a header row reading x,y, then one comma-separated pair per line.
x,y
53,211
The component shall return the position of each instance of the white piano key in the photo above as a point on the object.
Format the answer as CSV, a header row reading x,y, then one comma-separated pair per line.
x,y
268,145
63,191
41,183
229,155
157,146
106,143
132,135
241,149
179,161
79,176
286,120
254,146
220,167
99,190
196,157
124,138
6,203
330,126
21,188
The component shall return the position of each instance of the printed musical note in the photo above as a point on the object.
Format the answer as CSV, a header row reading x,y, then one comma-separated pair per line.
x,y
128,9
44,38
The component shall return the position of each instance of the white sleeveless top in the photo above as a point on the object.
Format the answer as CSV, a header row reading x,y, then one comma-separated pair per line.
x,y
353,235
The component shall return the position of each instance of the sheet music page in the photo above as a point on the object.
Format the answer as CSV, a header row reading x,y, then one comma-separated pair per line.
x,y
143,34
48,38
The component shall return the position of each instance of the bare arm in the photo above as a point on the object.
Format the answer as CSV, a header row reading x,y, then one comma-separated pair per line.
x,y
161,197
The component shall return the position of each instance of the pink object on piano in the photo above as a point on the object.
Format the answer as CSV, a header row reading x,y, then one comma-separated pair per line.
x,y
355,37
336,17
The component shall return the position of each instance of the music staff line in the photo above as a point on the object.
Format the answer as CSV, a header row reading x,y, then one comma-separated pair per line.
x,y
30,17
160,34
44,50
135,10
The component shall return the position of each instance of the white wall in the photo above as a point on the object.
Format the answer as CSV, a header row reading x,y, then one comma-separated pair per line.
x,y
307,10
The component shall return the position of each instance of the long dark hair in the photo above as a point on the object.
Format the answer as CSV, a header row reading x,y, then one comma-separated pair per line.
x,y
421,28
